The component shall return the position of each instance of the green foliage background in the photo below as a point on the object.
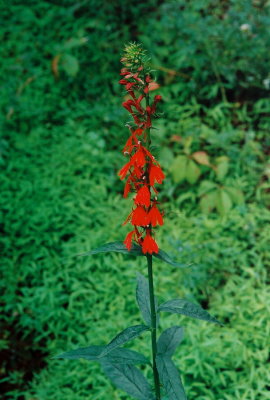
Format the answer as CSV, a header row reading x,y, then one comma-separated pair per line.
x,y
60,150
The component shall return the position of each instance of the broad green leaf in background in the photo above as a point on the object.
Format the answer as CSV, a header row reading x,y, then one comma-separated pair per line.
x,y
129,379
94,353
143,299
193,172
170,378
169,340
123,337
166,157
208,201
201,157
222,167
185,307
70,64
178,168
223,202
235,194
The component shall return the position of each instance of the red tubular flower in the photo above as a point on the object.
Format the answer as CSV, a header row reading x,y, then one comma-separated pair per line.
x,y
122,173
149,245
139,217
155,175
138,158
143,196
155,217
128,239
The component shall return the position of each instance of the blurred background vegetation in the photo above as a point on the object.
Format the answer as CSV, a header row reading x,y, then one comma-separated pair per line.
x,y
60,150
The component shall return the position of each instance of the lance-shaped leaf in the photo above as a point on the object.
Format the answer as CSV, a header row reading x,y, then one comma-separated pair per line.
x,y
184,307
117,356
143,299
169,340
129,379
125,336
119,247
162,255
170,378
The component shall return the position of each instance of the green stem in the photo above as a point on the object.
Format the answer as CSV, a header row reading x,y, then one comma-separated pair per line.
x,y
153,324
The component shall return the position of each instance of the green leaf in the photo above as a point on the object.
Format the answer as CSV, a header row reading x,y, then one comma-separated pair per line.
x,y
178,168
223,202
162,255
169,340
222,167
70,64
184,307
117,247
129,379
94,353
170,378
143,299
235,194
208,202
123,337
193,172
135,250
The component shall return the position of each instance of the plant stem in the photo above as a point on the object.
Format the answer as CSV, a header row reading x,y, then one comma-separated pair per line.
x,y
153,324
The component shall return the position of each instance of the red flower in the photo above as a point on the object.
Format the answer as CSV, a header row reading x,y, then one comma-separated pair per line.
x,y
128,240
149,245
122,173
140,217
155,175
143,197
138,158
155,217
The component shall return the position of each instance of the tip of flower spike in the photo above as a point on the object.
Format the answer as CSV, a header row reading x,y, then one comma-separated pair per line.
x,y
134,57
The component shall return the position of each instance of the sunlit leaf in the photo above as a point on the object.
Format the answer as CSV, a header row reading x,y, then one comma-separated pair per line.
x,y
201,157
178,168
192,172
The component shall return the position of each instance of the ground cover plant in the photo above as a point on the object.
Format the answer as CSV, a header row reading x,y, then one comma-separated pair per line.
x,y
59,116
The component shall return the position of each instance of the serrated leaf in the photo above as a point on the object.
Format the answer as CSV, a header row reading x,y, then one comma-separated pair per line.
x,y
70,64
201,157
143,299
129,379
208,202
223,202
169,340
170,378
178,168
94,353
185,307
123,337
192,172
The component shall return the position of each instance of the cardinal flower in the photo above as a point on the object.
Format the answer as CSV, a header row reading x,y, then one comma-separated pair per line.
x,y
149,245
155,175
155,217
139,217
143,196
